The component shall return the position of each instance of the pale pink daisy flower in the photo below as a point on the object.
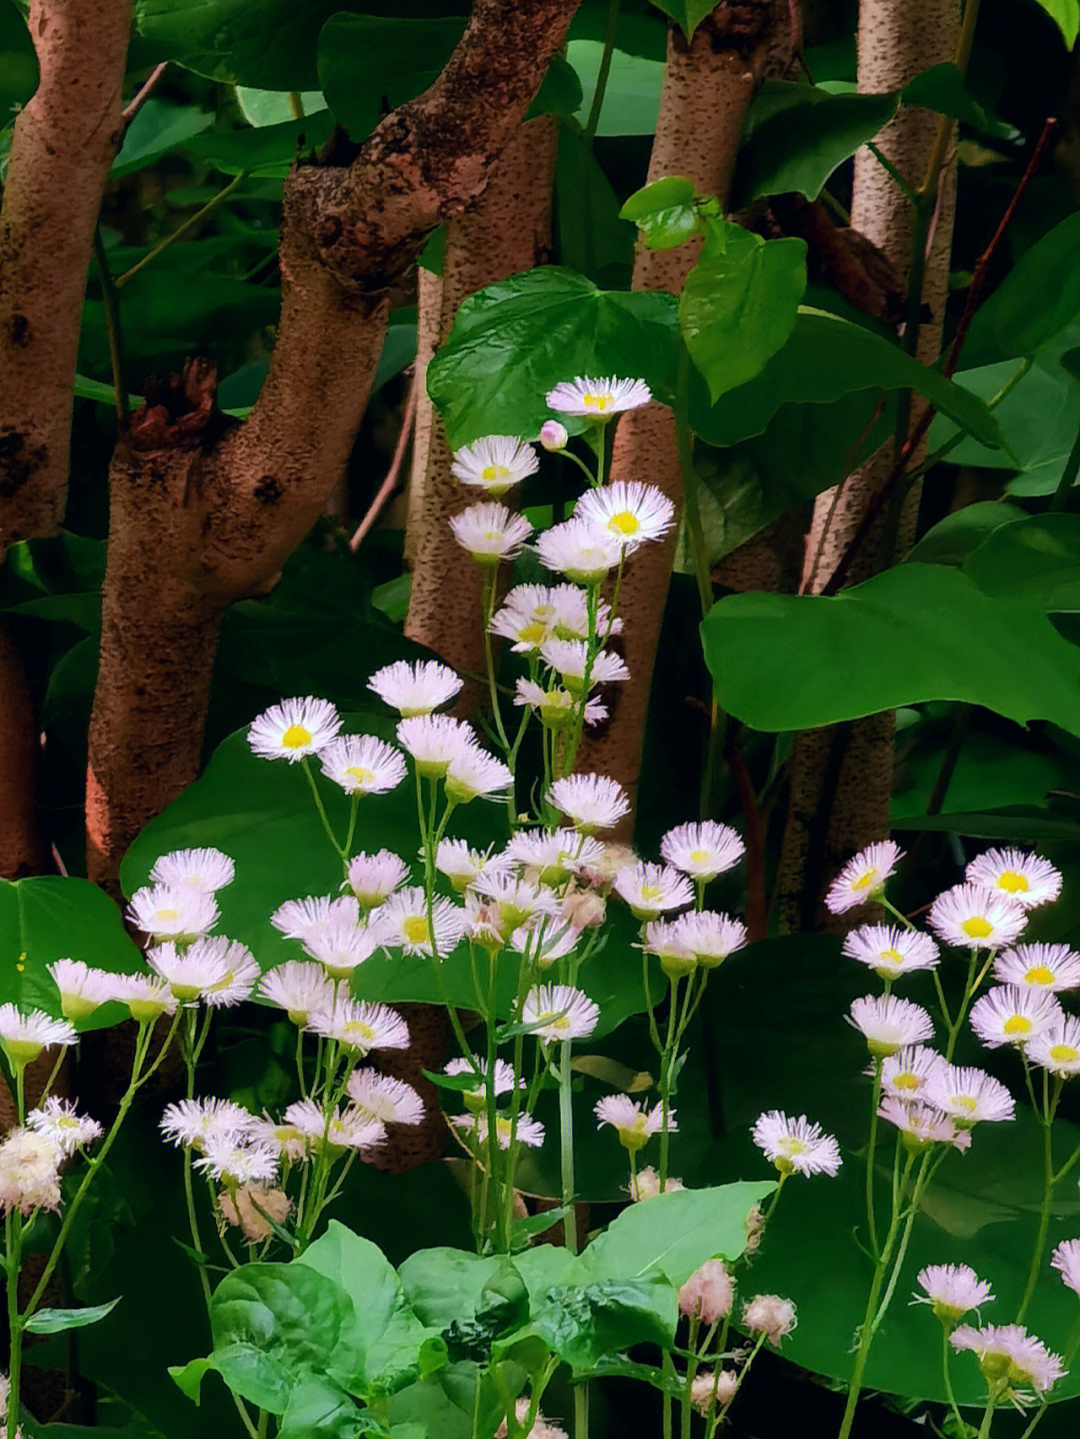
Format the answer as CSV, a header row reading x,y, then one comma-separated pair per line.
x,y
494,463
213,969
435,740
597,399
60,1121
571,659
1011,1014
708,1294
589,801
1026,879
294,729
545,942
298,987
702,850
552,854
653,889
361,764
401,922
502,1076
527,1131
570,614
970,917
526,628
147,996
578,551
796,1146
361,1027
474,774
1008,1351
82,989
863,877
341,946
628,510
519,899
558,1012
922,1124
661,939
553,436
634,1124
462,864
889,1023
709,936
300,918
1056,1048
890,951
1044,966
239,971
385,1098
952,1290
490,532
203,869
170,911
233,1163
557,708
372,877
905,1073
25,1033
190,1123
770,1315
968,1096
416,688
29,1172
1066,1260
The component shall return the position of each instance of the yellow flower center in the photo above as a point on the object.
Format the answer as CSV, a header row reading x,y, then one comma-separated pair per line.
x,y
360,775
1013,882
792,1146
698,856
560,1021
893,956
355,1028
865,881
1064,1053
415,929
532,633
1039,975
966,1101
624,523
906,1081
295,737
1017,1024
596,402
168,915
977,926
495,472
651,891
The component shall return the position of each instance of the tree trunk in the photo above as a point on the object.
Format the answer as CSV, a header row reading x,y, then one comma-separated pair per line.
x,y
708,86
841,778
506,231
21,850
428,314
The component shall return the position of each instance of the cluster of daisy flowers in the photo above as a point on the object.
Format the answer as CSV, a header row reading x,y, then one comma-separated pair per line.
x,y
33,1154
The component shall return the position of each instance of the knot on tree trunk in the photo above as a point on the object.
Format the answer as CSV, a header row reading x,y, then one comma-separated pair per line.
x,y
180,410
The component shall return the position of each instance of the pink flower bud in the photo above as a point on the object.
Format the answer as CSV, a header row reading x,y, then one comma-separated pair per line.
x,y
553,436
770,1315
708,1294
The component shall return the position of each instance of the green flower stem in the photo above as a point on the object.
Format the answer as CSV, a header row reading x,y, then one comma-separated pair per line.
x,y
946,1356
1044,1218
987,1419
566,1146
718,1418
691,1372
305,765
666,1060
61,1054
669,1372
488,591
871,1150
354,802
13,1263
20,1092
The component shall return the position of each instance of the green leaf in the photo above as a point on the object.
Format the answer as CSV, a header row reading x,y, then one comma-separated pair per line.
x,y
318,1409
1036,560
827,357
658,195
265,151
55,1321
688,14
942,89
366,59
798,134
516,339
1038,298
275,107
156,129
591,237
665,212
740,303
632,92
1066,16
560,91
581,1323
952,539
46,918
784,662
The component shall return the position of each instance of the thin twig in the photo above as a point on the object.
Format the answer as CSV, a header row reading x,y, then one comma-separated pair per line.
x,y
389,484
181,230
132,108
111,301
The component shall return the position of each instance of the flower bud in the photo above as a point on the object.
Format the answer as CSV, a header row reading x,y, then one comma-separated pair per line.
x,y
770,1315
582,909
553,436
708,1294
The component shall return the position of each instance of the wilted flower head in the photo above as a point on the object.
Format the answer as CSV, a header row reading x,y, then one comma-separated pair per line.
x,y
191,1122
251,1207
29,1172
770,1315
709,1390
708,1294
863,877
1066,1260
541,1428
294,729
645,1184
1008,1355
60,1121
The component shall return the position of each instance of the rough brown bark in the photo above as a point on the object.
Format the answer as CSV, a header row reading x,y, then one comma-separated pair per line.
x,y
841,778
428,314
21,848
62,147
708,86
206,515
506,231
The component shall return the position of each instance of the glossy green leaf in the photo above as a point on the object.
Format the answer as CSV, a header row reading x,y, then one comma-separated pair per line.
x,y
366,59
783,662
952,539
993,770
275,107
827,357
516,339
658,195
632,92
262,151
1066,16
740,303
47,918
56,1321
582,1322
1036,560
1038,298
688,14
156,129
942,89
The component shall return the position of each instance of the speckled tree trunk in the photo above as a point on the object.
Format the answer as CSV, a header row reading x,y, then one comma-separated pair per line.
x,y
21,849
508,230
708,86
841,777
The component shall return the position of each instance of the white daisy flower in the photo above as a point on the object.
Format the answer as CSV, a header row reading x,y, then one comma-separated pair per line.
x,y
905,1073
702,850
415,689
462,864
82,989
60,1121
571,659
495,463
300,918
890,1023
29,1172
298,987
240,971
552,855
544,942
361,1027
709,936
147,996
24,1034
519,898
653,889
863,877
578,551
337,1131
474,1127
557,708
435,740
769,1314
634,1124
525,633
1054,967
231,1163
473,773
891,951
490,532
597,399
207,870
294,729
661,939
922,1125
502,1076
970,917
362,764
553,436
630,511
190,1123
341,946
385,1098
401,922
968,1096
796,1146
170,911
1026,879
1008,1351
589,801
1056,1048
952,1290
558,1012
372,877
189,972
1010,1014
1066,1260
